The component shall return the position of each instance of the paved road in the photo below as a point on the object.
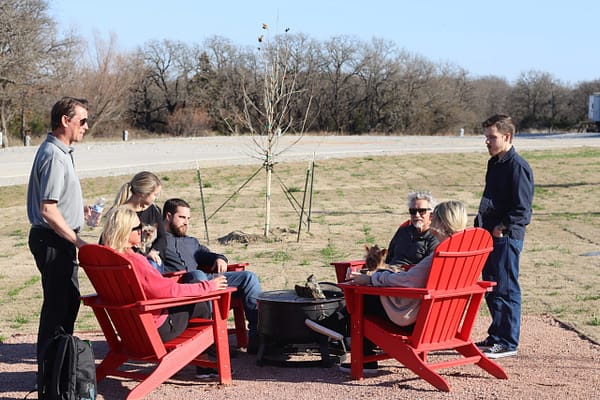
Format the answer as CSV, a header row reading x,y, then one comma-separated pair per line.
x,y
124,158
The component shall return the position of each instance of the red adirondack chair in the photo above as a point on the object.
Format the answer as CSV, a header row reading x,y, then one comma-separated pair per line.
x,y
237,305
123,312
450,304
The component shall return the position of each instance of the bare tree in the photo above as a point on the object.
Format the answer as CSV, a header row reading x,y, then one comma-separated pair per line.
x,y
379,74
32,57
490,96
451,99
106,81
267,116
532,99
162,88
416,77
217,83
338,82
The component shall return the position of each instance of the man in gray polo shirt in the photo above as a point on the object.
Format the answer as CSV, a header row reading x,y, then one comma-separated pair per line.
x,y
56,212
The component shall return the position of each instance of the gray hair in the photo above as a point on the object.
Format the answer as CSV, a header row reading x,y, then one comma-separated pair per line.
x,y
421,195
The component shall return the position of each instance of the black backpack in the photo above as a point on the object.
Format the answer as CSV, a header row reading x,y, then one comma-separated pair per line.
x,y
66,369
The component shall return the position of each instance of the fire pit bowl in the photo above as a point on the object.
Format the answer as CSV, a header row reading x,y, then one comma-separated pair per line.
x,y
281,315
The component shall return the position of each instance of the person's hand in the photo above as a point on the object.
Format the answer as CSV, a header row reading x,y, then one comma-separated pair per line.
x,y
497,232
359,279
87,214
220,266
221,281
154,255
79,242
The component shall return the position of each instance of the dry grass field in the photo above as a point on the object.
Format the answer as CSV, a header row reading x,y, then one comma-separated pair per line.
x,y
354,201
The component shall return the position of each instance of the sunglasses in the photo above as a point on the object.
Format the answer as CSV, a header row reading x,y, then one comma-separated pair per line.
x,y
137,228
421,211
82,121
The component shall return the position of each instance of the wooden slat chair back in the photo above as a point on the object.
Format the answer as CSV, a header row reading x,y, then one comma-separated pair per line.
x,y
449,306
124,314
456,266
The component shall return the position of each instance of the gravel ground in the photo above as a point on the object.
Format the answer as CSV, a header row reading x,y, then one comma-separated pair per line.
x,y
553,363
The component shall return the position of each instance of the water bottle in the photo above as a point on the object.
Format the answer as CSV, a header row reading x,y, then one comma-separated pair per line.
x,y
96,213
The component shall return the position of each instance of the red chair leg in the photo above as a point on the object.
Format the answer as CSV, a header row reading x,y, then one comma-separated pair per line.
x,y
240,322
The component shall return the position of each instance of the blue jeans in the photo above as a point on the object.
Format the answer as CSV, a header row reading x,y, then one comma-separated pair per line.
x,y
504,301
248,288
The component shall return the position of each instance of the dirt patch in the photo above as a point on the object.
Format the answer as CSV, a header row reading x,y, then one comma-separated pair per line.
x,y
553,363
356,202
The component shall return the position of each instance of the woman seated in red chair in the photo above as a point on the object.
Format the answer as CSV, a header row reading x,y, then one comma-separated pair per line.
x,y
121,232
448,218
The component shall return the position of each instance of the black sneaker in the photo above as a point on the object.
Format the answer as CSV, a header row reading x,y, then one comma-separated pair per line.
x,y
368,368
206,373
211,352
499,350
485,344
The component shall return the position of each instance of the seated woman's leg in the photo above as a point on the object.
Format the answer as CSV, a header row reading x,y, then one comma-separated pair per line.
x,y
176,322
178,319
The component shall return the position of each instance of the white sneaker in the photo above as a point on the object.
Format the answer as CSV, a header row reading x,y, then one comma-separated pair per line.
x,y
498,351
324,330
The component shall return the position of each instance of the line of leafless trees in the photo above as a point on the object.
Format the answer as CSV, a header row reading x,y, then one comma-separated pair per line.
x,y
169,87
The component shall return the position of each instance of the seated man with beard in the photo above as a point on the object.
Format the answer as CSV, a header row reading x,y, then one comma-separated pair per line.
x,y
180,252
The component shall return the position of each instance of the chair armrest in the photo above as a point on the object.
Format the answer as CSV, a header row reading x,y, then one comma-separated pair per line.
x,y
230,267
488,285
385,290
237,267
175,275
350,263
157,304
342,266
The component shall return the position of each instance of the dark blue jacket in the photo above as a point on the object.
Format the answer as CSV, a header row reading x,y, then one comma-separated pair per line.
x,y
408,246
184,253
508,195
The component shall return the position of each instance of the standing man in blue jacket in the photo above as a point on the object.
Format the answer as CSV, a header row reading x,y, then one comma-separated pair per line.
x,y
505,210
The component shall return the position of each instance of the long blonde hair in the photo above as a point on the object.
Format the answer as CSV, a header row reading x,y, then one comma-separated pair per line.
x,y
117,227
143,183
449,217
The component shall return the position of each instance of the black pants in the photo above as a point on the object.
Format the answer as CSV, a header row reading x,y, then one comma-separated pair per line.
x,y
178,318
56,259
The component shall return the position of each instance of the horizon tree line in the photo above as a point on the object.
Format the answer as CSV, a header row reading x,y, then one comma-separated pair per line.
x,y
341,85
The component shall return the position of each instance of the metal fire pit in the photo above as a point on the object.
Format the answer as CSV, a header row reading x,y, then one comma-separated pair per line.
x,y
281,315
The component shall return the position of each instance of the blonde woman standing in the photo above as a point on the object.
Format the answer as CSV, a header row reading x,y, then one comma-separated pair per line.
x,y
140,194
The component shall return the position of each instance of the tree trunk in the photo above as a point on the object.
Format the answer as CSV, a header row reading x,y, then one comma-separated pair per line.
x,y
268,201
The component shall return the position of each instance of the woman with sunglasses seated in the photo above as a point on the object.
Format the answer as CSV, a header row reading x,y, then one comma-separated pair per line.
x,y
121,232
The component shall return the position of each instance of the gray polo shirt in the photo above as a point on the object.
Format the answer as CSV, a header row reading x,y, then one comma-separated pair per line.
x,y
53,177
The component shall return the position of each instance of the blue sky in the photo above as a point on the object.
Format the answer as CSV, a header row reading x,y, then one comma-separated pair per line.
x,y
484,37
